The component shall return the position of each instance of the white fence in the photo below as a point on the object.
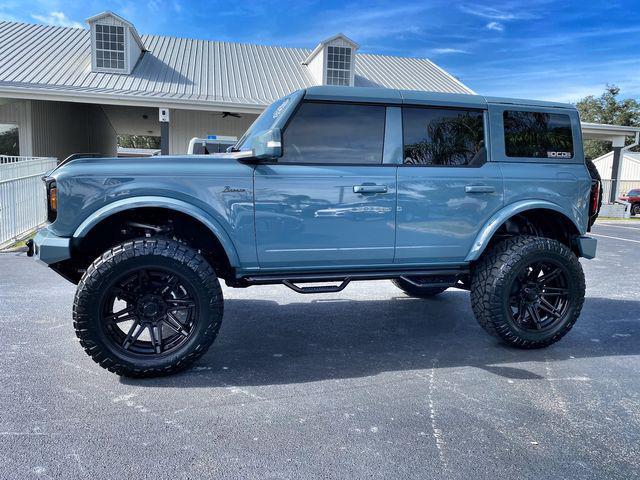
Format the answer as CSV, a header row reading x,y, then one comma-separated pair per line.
x,y
625,186
23,203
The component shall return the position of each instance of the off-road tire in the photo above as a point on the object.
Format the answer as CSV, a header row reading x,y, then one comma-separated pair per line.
x,y
417,291
168,254
493,275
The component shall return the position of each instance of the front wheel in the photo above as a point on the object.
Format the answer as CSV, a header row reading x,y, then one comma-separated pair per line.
x,y
147,308
635,209
528,291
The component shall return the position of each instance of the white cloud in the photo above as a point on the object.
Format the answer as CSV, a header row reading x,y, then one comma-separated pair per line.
x,y
497,26
57,18
491,13
439,51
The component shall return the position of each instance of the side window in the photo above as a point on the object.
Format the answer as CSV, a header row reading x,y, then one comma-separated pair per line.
x,y
537,135
443,137
334,133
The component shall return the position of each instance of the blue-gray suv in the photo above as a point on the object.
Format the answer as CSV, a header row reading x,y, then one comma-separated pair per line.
x,y
328,186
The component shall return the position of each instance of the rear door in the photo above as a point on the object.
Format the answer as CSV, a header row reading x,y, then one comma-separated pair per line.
x,y
329,201
447,188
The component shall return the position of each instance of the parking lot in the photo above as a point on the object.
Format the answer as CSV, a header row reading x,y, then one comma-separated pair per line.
x,y
366,383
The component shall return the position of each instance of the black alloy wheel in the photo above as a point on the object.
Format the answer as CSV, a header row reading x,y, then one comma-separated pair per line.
x,y
539,295
150,311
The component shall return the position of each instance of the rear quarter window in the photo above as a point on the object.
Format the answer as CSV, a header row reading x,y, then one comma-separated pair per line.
x,y
530,134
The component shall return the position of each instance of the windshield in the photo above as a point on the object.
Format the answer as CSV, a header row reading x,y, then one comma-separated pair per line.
x,y
263,123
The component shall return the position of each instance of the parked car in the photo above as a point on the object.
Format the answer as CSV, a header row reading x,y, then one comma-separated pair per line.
x,y
633,197
211,144
330,185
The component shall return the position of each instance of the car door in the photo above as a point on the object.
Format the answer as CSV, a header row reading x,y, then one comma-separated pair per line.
x,y
329,201
447,188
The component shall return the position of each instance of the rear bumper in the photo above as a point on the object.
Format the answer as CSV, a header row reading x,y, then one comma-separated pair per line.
x,y
587,246
50,248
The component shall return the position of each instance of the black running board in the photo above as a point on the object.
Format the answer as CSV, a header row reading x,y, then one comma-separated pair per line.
x,y
428,278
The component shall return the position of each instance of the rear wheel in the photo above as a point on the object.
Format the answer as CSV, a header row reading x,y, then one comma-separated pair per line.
x,y
528,291
412,287
148,307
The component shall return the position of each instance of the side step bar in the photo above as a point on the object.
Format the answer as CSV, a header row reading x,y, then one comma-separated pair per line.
x,y
318,289
427,278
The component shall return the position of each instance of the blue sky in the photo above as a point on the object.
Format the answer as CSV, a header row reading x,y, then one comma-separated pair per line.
x,y
556,50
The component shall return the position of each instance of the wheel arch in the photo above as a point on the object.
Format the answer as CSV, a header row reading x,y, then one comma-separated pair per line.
x,y
166,203
523,208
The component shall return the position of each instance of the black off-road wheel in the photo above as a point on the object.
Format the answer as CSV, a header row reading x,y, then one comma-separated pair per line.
x,y
413,288
528,291
147,308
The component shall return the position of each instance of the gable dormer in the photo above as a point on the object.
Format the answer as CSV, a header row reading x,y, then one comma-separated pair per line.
x,y
332,62
115,44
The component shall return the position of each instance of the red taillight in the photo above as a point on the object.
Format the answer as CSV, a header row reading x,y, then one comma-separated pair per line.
x,y
596,198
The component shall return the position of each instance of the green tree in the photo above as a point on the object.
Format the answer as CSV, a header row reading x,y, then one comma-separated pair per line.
x,y
609,109
138,141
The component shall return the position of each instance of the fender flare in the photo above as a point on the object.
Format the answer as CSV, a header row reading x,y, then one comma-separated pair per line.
x,y
482,239
161,202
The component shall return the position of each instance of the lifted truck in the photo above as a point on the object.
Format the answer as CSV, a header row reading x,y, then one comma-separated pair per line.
x,y
330,185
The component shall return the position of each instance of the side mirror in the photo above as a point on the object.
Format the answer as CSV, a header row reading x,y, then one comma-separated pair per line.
x,y
268,146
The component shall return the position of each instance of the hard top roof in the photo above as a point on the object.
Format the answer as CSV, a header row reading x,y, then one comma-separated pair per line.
x,y
414,97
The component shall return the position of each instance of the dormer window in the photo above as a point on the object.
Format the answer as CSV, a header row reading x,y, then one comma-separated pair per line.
x,y
110,47
338,65
115,44
332,62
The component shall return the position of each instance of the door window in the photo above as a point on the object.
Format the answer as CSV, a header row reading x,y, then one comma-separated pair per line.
x,y
334,133
443,137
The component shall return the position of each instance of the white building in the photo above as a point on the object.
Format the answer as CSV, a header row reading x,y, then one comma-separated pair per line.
x,y
629,168
68,90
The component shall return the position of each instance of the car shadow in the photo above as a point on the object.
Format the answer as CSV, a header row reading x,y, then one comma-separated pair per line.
x,y
262,342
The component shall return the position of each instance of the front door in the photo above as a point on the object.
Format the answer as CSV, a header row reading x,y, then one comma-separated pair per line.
x,y
328,201
447,190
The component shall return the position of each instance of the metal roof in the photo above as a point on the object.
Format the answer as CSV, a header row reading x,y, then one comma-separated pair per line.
x,y
42,61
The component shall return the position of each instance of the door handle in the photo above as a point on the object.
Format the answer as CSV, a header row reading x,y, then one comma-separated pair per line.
x,y
479,189
370,189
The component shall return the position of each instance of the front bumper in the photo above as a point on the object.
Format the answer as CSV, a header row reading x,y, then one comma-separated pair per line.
x,y
50,248
587,246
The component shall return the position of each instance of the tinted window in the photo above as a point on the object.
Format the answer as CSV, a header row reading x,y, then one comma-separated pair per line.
x,y
537,134
634,193
334,133
443,137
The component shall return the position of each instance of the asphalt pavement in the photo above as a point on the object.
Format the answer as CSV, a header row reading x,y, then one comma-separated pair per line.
x,y
366,383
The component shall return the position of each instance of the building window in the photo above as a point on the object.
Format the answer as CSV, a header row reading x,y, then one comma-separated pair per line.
x,y
110,47
9,144
443,137
537,135
338,65
334,133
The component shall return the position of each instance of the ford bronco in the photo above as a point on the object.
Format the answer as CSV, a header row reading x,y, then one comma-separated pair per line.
x,y
328,186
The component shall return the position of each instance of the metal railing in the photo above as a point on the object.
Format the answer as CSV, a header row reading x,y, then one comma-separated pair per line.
x,y
23,203
625,186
